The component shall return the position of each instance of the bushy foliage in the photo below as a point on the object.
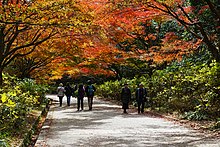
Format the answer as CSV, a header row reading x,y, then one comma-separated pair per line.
x,y
36,90
190,87
17,99
112,89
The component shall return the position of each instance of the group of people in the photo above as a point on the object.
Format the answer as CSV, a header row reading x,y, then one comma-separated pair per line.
x,y
89,90
140,95
82,91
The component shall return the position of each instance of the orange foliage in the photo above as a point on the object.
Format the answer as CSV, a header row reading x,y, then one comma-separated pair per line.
x,y
173,48
118,22
91,49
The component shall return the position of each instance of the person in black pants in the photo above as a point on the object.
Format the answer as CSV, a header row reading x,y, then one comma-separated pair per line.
x,y
60,93
141,94
68,92
90,91
125,97
81,94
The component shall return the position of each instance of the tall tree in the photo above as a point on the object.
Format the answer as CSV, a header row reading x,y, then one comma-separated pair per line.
x,y
25,24
42,56
158,29
146,30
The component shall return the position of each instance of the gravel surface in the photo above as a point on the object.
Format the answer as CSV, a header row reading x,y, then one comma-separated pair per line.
x,y
107,126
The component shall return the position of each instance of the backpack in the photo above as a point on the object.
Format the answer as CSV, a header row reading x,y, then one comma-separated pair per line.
x,y
90,90
61,91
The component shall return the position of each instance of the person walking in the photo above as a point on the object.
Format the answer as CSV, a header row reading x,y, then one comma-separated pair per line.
x,y
125,97
141,94
90,91
80,97
68,92
60,93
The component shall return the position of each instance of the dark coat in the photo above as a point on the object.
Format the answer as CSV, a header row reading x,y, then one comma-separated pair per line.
x,y
69,91
141,94
81,91
125,95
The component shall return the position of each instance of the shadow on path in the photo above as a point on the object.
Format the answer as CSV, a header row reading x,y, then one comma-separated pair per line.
x,y
106,126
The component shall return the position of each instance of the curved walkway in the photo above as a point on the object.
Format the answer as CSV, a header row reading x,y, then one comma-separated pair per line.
x,y
106,126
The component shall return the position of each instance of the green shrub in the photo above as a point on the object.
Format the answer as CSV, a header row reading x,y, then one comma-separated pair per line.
x,y
17,99
195,115
190,86
3,143
36,90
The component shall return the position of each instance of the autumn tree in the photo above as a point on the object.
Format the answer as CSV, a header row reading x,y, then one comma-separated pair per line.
x,y
200,18
41,57
24,25
147,30
12,25
126,33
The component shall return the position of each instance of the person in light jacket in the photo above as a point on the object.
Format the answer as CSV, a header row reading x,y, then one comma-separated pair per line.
x,y
60,93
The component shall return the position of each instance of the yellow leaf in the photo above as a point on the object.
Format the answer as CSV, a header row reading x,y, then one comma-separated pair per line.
x,y
12,93
11,103
4,97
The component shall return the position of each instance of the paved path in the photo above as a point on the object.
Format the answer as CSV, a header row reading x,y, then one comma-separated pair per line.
x,y
106,126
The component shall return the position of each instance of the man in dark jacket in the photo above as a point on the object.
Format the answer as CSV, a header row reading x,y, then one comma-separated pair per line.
x,y
125,97
68,92
90,92
141,94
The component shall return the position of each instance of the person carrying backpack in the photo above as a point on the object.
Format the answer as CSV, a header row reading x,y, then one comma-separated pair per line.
x,y
60,93
90,91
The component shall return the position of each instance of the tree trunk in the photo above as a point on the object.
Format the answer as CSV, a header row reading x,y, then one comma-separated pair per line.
x,y
2,47
211,47
214,51
1,77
